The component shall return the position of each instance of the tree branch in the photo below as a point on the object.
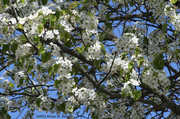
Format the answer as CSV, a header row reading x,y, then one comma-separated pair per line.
x,y
101,89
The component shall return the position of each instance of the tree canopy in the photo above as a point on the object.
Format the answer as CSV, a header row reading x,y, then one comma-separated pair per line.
x,y
118,58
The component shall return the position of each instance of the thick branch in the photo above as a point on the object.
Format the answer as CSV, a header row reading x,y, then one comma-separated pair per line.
x,y
170,67
128,17
174,76
26,94
73,53
101,89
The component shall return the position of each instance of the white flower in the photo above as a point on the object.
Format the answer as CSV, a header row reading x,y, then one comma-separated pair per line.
x,y
94,52
59,1
23,50
31,17
84,94
46,10
22,20
13,21
134,82
49,35
126,41
4,99
56,32
126,85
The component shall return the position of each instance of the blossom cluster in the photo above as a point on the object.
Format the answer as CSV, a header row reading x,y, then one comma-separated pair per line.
x,y
126,42
95,51
84,94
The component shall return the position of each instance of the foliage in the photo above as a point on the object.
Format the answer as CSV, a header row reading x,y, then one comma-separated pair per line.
x,y
119,58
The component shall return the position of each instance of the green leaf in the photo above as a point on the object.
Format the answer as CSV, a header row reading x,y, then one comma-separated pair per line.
x,y
52,105
124,93
102,46
123,55
108,16
0,6
152,19
145,40
55,67
70,109
40,13
41,49
77,107
11,85
130,66
5,29
14,48
22,1
94,3
56,83
161,65
155,64
140,62
21,81
132,3
164,27
36,39
4,110
63,12
121,72
23,39
29,98
137,94
5,47
74,4
62,107
50,72
137,51
85,1
106,1
40,28
97,64
79,50
86,47
45,56
67,36
6,2
127,76
30,68
57,14
19,26
53,18
45,91
38,102
101,38
33,74
1,59
168,8
19,62
8,116
90,14
158,62
95,116
76,80
109,25
44,2
173,1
